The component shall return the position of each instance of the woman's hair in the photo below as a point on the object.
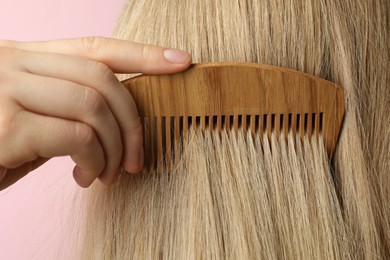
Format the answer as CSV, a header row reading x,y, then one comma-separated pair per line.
x,y
243,196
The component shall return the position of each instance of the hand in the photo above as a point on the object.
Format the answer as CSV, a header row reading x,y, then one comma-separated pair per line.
x,y
62,98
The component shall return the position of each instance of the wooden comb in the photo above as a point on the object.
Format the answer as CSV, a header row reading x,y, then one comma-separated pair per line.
x,y
216,96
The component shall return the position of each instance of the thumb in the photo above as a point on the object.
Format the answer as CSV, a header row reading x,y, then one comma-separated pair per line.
x,y
121,56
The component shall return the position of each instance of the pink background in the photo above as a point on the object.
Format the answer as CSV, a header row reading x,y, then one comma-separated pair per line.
x,y
34,210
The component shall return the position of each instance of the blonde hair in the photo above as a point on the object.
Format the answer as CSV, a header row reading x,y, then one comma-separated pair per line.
x,y
244,196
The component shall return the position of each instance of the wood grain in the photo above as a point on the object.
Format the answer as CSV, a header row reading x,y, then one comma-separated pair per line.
x,y
257,98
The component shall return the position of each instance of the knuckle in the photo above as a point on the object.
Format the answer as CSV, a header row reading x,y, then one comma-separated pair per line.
x,y
93,102
137,131
15,148
84,135
104,72
8,55
7,129
93,44
146,52
4,80
8,80
8,43
101,68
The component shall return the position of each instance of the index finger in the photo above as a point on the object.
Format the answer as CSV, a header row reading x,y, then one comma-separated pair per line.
x,y
120,55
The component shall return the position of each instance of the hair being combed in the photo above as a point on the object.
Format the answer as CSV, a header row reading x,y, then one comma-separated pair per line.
x,y
248,197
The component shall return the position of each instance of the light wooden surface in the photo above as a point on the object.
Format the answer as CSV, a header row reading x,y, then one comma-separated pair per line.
x,y
254,97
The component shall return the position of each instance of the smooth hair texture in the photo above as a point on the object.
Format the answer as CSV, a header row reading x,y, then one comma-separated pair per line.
x,y
248,197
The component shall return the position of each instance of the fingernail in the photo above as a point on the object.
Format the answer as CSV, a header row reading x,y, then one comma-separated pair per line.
x,y
176,56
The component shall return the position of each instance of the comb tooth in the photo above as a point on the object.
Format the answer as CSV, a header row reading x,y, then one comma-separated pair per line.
x,y
252,124
163,140
219,124
321,122
308,124
244,123
227,123
148,159
269,126
203,123
185,127
293,125
168,142
235,123
175,138
152,137
312,123
177,131
285,122
288,122
276,123
315,124
159,157
301,125
145,125
211,123
261,124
